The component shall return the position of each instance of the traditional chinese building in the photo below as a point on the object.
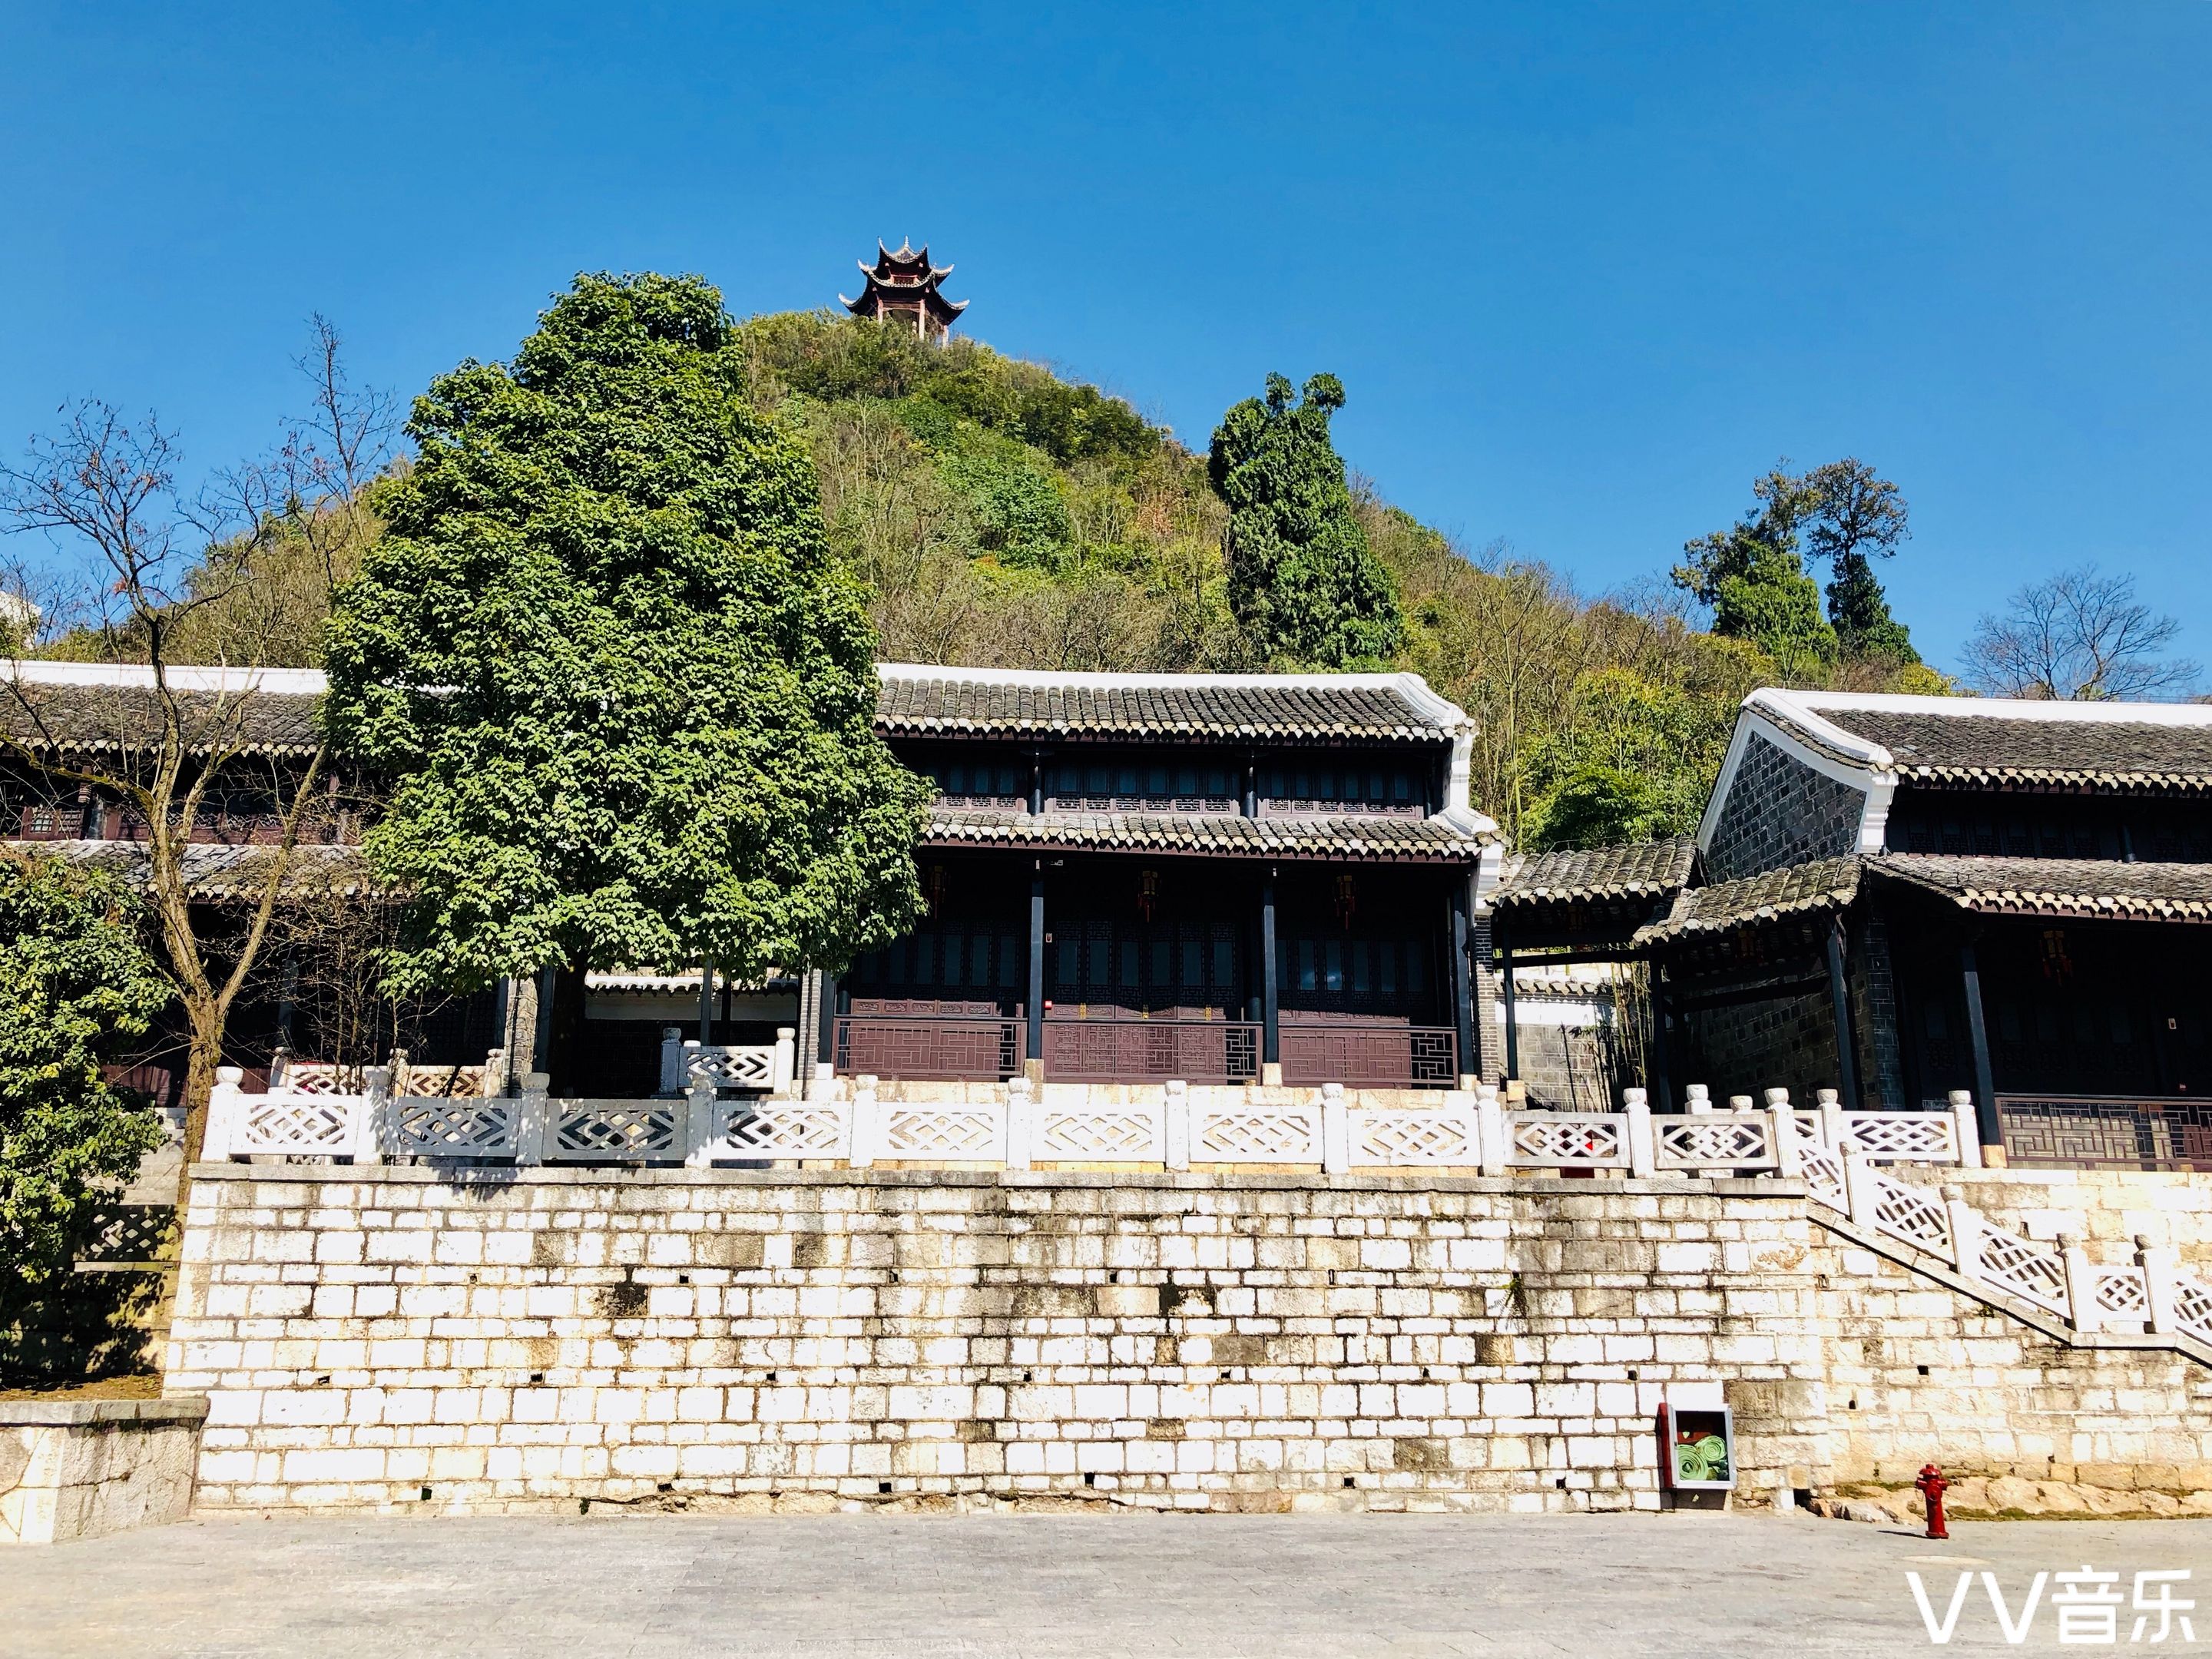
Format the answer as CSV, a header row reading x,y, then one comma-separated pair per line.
x,y
1141,877
1902,895
905,287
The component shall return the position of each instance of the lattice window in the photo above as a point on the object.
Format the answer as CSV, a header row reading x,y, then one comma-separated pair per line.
x,y
451,1127
1911,1213
733,1067
1257,1137
1558,1141
1909,1137
940,1132
584,1129
1823,1169
2192,1306
299,1123
1098,1134
1415,1137
776,1131
1700,1142
2121,1293
2036,1271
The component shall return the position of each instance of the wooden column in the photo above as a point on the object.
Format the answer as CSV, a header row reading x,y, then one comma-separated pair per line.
x,y
1978,1034
1035,1049
706,1004
1840,1002
1271,1030
1501,953
1462,982
1663,1086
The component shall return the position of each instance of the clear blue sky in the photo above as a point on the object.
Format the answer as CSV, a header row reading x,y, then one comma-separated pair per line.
x,y
1584,271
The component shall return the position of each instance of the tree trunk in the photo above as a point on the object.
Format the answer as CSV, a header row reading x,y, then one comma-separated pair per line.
x,y
205,1054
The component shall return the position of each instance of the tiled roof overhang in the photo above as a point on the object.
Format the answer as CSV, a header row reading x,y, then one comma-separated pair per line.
x,y
2060,888
215,874
920,700
1632,870
1427,840
1794,891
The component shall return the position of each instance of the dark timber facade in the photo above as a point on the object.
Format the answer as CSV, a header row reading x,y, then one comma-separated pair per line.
x,y
1218,879
1905,895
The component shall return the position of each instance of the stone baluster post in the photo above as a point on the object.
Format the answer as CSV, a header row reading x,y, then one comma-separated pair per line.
x,y
2081,1286
1968,1126
1176,1130
1021,1122
493,1083
1833,1128
1643,1137
1489,1131
225,1103
1789,1160
1859,1188
535,1133
784,1065
2161,1262
671,1060
1966,1233
372,1112
867,1124
702,1108
1335,1131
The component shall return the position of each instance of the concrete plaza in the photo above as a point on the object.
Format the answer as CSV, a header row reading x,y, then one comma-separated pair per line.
x,y
919,1587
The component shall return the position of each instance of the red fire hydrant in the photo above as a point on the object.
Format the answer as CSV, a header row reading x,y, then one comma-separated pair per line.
x,y
1933,1486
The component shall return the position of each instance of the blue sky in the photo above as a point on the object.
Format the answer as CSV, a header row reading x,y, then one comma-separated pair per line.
x,y
1584,271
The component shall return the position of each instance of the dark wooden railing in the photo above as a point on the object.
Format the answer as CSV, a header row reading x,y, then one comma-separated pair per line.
x,y
1372,1056
922,1049
1150,1050
2105,1132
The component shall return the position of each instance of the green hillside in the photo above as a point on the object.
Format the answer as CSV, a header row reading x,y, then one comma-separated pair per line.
x,y
1005,517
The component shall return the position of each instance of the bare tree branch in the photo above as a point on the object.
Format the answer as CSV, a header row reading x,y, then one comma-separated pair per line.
x,y
2080,636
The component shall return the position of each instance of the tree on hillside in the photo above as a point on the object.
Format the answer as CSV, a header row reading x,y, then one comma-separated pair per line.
x,y
624,691
1303,581
76,986
1752,575
1856,516
160,582
2080,636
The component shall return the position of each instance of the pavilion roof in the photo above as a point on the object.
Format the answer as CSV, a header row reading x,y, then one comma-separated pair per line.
x,y
91,709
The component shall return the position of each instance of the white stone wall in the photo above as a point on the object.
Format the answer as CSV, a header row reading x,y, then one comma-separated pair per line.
x,y
795,1339
79,1468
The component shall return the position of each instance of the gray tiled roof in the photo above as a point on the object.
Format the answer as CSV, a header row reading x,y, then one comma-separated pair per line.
x,y
2059,887
1965,748
919,701
216,872
1636,869
1793,890
1411,839
63,718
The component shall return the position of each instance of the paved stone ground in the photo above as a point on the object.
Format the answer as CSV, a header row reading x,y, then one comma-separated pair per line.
x,y
925,1588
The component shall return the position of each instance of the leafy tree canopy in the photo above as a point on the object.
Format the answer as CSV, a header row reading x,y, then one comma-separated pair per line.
x,y
75,984
1752,574
1302,580
625,692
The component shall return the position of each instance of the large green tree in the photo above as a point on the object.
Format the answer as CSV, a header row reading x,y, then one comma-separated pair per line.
x,y
1856,517
1754,577
623,694
1303,581
76,986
